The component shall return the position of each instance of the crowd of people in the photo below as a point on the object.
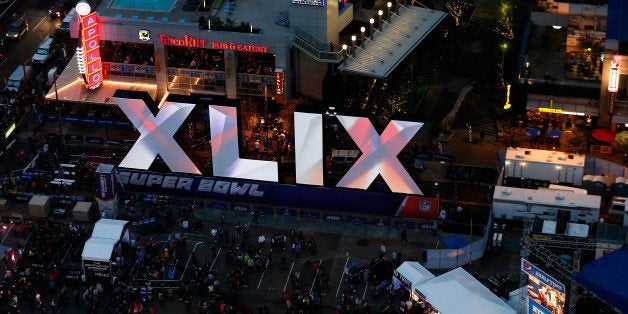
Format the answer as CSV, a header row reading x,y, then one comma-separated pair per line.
x,y
255,63
195,58
129,53
33,280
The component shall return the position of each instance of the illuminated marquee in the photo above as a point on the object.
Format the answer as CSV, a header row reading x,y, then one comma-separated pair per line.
x,y
551,110
239,47
613,78
186,41
90,39
379,152
191,41
279,85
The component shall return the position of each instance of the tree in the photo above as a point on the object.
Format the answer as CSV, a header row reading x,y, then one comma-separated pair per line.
x,y
457,8
514,137
574,142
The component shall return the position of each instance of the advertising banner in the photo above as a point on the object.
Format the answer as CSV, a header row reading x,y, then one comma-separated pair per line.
x,y
241,207
259,192
97,269
218,205
404,224
545,294
264,210
419,207
287,212
535,308
333,217
357,219
381,222
105,184
309,214
95,140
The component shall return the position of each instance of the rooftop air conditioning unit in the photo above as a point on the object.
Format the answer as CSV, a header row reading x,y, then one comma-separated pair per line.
x,y
506,191
560,197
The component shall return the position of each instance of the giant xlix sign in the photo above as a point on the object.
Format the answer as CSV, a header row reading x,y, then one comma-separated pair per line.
x,y
379,151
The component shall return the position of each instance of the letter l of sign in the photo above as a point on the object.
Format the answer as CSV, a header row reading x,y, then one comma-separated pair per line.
x,y
379,154
226,161
156,135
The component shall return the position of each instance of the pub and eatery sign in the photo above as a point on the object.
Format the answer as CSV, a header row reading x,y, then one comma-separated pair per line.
x,y
190,41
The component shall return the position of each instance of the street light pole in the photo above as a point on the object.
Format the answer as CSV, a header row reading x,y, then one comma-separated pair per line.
x,y
362,30
106,125
54,83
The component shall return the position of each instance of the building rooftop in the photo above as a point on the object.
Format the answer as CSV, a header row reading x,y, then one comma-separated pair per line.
x,y
546,197
392,43
261,14
545,156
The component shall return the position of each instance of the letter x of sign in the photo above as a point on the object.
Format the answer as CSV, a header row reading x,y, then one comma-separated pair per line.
x,y
156,135
379,154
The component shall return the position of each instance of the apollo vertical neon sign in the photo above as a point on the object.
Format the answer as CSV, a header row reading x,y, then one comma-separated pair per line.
x,y
90,40
379,151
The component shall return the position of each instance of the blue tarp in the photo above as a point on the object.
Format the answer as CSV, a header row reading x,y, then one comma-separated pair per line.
x,y
606,277
555,133
533,132
454,242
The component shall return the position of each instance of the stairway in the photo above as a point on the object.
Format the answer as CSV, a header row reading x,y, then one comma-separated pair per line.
x,y
477,112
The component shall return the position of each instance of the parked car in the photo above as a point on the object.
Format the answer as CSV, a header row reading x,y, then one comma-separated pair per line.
x,y
58,10
17,30
45,51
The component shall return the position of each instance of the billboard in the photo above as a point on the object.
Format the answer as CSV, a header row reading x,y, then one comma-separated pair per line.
x,y
378,151
284,196
544,293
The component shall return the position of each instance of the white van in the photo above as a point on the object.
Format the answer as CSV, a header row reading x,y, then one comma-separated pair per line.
x,y
19,76
45,51
65,24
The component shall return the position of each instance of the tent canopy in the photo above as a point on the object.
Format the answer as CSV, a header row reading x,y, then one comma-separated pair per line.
x,y
98,249
414,272
109,229
604,135
612,289
454,242
464,294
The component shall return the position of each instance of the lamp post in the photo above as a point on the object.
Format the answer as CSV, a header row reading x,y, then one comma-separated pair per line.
x,y
388,6
379,19
106,124
344,54
371,22
362,30
353,39
54,83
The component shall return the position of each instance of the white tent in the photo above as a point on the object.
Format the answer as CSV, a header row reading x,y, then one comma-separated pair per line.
x,y
458,292
98,249
411,274
109,229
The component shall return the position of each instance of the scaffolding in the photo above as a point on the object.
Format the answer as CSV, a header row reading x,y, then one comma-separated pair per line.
x,y
539,246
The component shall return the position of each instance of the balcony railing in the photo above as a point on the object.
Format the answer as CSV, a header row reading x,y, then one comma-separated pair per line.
x,y
315,48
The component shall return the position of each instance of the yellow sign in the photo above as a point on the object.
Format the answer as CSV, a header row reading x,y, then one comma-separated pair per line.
x,y
551,110
507,105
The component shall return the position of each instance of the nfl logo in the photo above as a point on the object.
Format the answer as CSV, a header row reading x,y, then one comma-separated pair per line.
x,y
424,206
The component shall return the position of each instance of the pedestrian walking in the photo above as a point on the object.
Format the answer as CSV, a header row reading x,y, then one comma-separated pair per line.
x,y
255,217
404,236
288,299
